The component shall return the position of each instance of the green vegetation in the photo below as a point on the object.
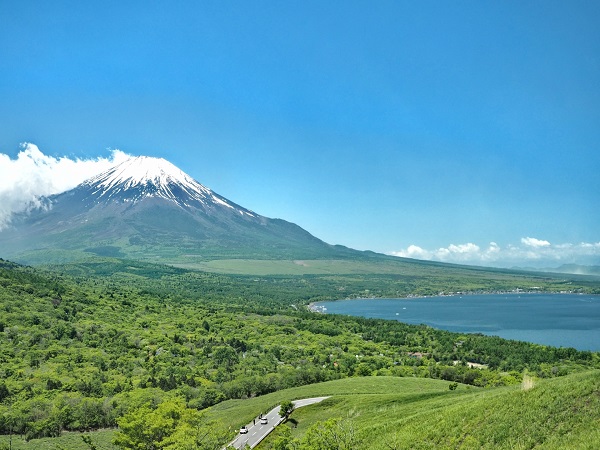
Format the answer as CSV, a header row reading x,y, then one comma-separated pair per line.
x,y
286,408
100,440
320,280
111,342
554,414
169,426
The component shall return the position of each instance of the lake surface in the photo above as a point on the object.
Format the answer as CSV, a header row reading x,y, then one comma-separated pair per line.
x,y
561,320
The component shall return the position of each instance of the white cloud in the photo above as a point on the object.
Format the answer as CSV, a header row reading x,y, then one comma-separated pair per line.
x,y
531,252
533,242
33,174
414,251
493,249
464,249
451,253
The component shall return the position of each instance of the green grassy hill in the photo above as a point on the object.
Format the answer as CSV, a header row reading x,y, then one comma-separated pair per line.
x,y
401,413
413,413
555,414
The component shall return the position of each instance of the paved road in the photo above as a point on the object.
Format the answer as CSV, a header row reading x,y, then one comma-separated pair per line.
x,y
257,432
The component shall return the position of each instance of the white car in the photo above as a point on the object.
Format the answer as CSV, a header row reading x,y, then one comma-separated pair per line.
x,y
243,430
263,421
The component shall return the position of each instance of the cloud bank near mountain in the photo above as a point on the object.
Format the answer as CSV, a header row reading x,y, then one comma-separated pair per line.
x,y
530,251
33,174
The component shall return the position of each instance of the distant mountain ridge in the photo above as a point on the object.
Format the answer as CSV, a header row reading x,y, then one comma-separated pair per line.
x,y
147,208
574,269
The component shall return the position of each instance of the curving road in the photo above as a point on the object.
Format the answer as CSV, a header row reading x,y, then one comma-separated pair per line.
x,y
257,431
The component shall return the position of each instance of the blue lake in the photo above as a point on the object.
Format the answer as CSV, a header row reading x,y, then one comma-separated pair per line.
x,y
561,320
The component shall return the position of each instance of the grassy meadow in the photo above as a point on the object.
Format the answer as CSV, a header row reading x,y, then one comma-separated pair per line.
x,y
562,413
414,413
102,440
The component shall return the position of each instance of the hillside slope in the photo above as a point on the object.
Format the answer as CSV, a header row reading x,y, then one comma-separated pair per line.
x,y
401,413
78,354
406,413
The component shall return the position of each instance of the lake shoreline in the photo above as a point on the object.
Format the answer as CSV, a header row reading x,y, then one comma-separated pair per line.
x,y
314,307
560,319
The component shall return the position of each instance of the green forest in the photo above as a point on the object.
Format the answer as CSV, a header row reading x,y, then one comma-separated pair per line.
x,y
94,345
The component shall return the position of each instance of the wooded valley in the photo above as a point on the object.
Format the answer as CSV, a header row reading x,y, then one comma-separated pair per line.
x,y
84,347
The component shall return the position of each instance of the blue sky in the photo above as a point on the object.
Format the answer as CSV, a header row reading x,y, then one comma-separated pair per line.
x,y
428,129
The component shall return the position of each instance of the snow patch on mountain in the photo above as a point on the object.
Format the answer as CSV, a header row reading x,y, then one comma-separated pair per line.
x,y
143,176
141,170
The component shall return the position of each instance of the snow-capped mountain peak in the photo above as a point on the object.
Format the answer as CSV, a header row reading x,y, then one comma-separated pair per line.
x,y
146,208
147,177
142,170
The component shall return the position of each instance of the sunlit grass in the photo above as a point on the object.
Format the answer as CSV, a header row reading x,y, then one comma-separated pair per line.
x,y
413,413
561,413
67,441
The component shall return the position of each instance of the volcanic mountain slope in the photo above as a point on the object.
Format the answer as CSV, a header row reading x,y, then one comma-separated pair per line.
x,y
146,208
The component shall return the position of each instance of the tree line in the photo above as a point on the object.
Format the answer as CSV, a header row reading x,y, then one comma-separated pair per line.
x,y
84,352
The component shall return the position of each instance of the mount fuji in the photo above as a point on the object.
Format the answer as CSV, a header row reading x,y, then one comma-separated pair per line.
x,y
146,208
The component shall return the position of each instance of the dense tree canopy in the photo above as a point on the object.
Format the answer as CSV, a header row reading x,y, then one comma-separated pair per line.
x,y
169,426
80,352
